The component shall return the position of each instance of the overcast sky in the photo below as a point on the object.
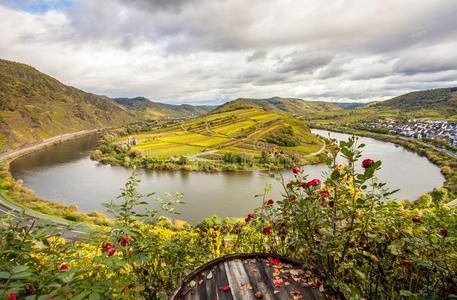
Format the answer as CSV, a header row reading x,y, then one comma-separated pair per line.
x,y
211,51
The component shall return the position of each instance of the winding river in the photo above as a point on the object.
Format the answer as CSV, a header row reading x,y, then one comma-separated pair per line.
x,y
65,173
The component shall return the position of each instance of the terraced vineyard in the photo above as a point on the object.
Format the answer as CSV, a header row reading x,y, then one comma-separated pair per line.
x,y
241,131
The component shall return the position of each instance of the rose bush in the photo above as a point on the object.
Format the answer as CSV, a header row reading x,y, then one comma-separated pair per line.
x,y
347,226
366,244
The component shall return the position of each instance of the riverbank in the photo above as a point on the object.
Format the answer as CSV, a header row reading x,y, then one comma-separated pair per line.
x,y
15,198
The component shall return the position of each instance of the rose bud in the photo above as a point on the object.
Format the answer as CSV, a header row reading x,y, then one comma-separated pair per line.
x,y
270,202
225,288
324,193
111,251
267,230
237,229
367,163
107,246
293,198
249,218
313,183
12,296
125,240
416,219
296,170
63,267
443,232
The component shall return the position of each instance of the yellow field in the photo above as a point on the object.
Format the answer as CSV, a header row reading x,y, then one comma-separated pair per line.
x,y
240,131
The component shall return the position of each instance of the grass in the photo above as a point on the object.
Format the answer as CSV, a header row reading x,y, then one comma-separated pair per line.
x,y
238,132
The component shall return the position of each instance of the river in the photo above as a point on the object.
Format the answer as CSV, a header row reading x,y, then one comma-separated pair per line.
x,y
66,174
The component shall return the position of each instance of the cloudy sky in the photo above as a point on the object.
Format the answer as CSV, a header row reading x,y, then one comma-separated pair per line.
x,y
211,51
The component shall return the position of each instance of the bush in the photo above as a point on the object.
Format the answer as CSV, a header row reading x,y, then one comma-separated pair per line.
x,y
365,245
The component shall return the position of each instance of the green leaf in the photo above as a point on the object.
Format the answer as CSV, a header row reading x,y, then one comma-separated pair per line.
x,y
4,275
405,293
94,296
21,275
19,269
81,295
360,274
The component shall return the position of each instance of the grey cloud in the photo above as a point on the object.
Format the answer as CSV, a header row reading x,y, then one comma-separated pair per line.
x,y
155,5
215,49
425,64
304,62
256,55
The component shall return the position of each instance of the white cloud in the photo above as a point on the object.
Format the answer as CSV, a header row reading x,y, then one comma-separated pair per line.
x,y
212,51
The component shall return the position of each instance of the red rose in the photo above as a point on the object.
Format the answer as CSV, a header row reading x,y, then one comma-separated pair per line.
x,y
367,163
267,230
277,283
293,198
296,170
273,260
324,193
12,296
237,229
125,239
107,246
416,219
225,288
313,183
249,217
407,262
111,251
443,232
63,267
270,202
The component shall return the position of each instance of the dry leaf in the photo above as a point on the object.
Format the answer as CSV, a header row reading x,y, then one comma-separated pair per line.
x,y
258,294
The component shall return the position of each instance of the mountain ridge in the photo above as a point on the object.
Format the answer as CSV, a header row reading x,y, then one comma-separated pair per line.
x,y
294,106
153,110
35,106
438,101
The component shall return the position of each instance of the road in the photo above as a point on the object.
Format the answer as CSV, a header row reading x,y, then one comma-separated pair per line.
x,y
6,207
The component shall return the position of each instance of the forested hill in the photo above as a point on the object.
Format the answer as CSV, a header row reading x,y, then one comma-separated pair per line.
x,y
292,106
156,110
438,101
35,106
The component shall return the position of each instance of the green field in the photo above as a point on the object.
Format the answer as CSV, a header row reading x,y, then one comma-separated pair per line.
x,y
240,131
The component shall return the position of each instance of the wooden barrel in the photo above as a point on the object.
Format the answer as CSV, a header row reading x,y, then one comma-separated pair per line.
x,y
251,276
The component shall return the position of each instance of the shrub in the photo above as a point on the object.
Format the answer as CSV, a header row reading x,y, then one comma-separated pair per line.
x,y
366,245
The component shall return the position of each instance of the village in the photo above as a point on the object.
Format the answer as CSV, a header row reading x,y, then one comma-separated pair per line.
x,y
419,129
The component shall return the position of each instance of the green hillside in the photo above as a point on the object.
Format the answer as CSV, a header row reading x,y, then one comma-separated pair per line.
x,y
253,136
292,106
35,106
156,110
435,104
442,102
